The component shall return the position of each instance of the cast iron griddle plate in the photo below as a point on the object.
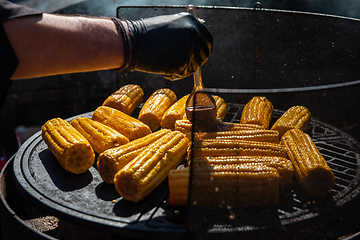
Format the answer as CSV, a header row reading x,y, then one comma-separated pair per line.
x,y
85,199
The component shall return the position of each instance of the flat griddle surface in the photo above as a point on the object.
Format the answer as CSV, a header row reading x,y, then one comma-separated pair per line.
x,y
85,199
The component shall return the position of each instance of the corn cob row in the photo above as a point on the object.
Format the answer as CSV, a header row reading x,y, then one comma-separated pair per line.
x,y
155,106
310,167
249,135
100,136
125,99
245,185
111,161
126,125
283,165
175,112
218,147
257,111
145,172
70,148
297,117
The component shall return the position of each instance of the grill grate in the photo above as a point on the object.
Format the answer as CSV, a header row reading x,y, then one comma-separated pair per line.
x,y
341,152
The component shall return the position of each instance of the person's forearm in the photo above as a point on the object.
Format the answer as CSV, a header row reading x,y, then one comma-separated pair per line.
x,y
52,44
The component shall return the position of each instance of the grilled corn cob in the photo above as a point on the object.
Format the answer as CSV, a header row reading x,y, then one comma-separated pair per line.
x,y
179,186
185,126
219,147
145,172
249,135
70,148
111,161
244,126
126,125
125,99
100,136
246,185
220,106
155,106
310,167
257,111
297,117
175,112
283,165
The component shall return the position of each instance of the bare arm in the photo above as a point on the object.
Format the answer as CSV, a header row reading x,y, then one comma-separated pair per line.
x,y
50,44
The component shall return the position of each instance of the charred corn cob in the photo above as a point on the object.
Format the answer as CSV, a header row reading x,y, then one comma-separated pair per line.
x,y
297,117
100,136
111,161
145,172
246,185
219,147
249,135
310,167
175,112
155,106
257,111
283,165
126,125
70,148
125,99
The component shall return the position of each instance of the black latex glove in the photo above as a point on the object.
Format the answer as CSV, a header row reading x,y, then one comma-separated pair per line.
x,y
173,45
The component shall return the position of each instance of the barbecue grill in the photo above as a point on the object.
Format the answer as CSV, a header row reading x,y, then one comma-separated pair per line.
x,y
292,58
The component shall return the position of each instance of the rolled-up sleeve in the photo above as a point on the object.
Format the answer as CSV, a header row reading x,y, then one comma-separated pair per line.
x,y
8,59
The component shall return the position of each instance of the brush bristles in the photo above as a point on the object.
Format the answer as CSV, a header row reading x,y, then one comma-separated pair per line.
x,y
211,125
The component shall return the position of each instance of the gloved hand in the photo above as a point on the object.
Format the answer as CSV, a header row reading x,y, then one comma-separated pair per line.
x,y
173,45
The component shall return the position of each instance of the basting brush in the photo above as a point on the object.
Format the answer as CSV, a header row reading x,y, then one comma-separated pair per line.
x,y
201,109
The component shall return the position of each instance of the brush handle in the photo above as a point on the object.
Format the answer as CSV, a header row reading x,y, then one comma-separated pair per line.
x,y
199,99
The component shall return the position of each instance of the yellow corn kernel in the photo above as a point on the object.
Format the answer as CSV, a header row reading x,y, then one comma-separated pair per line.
x,y
297,117
100,136
125,99
310,167
257,111
111,161
179,186
70,148
219,147
221,107
246,185
283,165
249,135
244,126
175,112
185,126
151,167
126,125
155,106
